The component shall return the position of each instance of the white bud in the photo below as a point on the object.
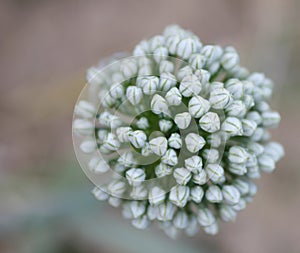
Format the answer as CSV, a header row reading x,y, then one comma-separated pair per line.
x,y
215,140
156,196
212,53
232,126
182,176
166,81
116,188
235,87
219,98
129,68
216,85
212,229
270,119
142,123
170,157
116,91
192,228
137,208
194,164
257,78
138,192
123,133
88,146
175,141
241,185
165,125
211,155
156,41
230,60
274,150
111,142
173,96
197,61
98,165
172,43
159,105
237,154
255,148
206,217
214,172
160,53
134,94
249,126
210,122
166,66
186,47
194,142
255,116
141,223
138,138
266,163
239,206
94,76
152,212
258,134
183,120
127,159
248,102
200,178
190,85
162,170
203,76
252,188
149,84
83,127
236,109
237,168
187,70
135,176
141,49
159,145
231,194
85,109
214,194
262,106
179,195
197,194
227,213
180,220
165,211
104,118
146,150
100,194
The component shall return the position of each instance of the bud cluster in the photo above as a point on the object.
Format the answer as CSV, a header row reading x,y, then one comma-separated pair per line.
x,y
185,129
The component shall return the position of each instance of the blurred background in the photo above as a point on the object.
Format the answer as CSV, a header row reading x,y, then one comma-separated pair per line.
x,y
45,48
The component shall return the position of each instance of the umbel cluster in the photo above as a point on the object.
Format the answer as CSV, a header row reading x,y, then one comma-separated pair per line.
x,y
184,130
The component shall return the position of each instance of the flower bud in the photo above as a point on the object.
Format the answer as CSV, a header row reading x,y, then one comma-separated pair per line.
x,y
162,170
88,146
214,172
115,202
274,150
231,194
182,176
237,154
129,68
159,105
232,126
173,97
134,95
98,166
200,178
210,122
141,223
83,127
149,84
165,125
230,60
210,155
116,188
94,76
227,213
137,208
183,120
212,229
214,194
236,109
197,61
206,217
85,109
156,41
111,142
175,141
197,194
138,192
142,123
179,195
241,185
116,91
186,47
156,195
249,126
266,163
180,220
137,138
152,212
194,142
165,211
170,157
135,176
99,194
219,98
239,206
193,164
237,168
198,106
212,53
123,133
160,54
192,227
235,87
190,85
127,159
167,81
166,66
270,119
159,145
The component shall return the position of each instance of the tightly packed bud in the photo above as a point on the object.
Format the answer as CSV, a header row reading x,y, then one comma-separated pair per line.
x,y
177,132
